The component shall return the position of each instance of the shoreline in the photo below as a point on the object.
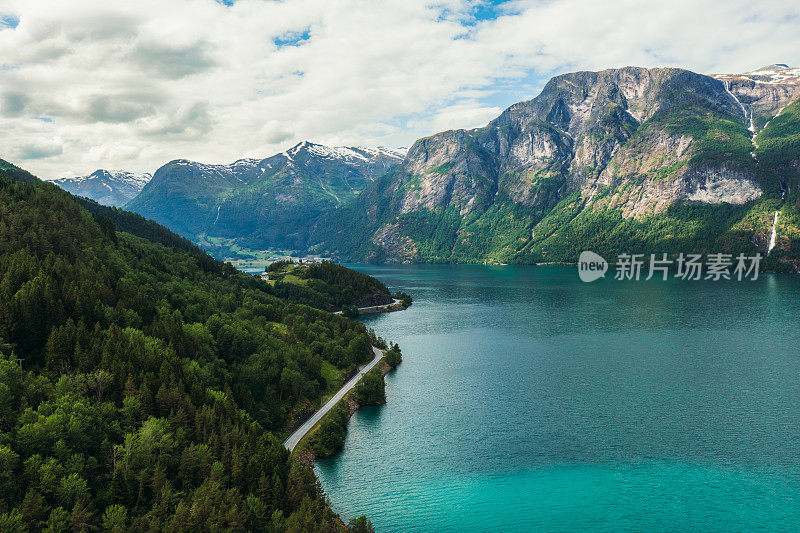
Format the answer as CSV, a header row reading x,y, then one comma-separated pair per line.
x,y
305,453
766,270
396,305
307,427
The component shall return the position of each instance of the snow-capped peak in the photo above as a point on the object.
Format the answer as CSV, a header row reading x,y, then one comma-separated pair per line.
x,y
110,187
346,154
776,74
120,176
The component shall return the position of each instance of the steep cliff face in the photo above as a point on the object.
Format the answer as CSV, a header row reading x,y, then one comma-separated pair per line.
x,y
762,92
631,142
586,131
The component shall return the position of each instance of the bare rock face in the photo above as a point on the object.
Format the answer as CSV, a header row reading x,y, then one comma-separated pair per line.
x,y
632,141
443,172
586,131
719,185
397,246
765,90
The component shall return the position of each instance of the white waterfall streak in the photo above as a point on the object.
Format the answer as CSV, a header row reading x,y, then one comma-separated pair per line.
x,y
752,126
774,233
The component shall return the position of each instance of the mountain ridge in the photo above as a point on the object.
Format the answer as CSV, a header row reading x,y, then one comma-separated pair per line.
x,y
261,200
651,157
108,187
624,148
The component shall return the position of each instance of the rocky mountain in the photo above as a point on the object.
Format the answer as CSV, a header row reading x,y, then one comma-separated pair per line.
x,y
263,203
656,159
107,187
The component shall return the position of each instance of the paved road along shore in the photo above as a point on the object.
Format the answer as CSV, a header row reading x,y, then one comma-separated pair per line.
x,y
394,306
295,437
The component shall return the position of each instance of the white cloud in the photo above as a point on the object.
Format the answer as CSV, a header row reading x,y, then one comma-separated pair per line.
x,y
463,115
134,84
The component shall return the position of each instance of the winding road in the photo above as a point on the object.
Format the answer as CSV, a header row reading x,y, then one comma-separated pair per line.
x,y
298,435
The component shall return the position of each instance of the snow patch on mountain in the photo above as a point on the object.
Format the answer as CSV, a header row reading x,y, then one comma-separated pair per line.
x,y
108,187
345,154
777,74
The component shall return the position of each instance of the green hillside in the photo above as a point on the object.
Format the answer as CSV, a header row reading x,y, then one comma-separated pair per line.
x,y
148,387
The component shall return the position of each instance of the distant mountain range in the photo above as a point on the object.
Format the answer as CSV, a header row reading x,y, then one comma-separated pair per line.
x,y
108,187
264,203
630,159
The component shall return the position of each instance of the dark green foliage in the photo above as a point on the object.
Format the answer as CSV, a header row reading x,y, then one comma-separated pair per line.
x,y
350,311
405,298
15,173
146,387
106,227
328,438
343,283
779,147
377,341
361,525
442,169
687,228
371,390
277,266
718,139
436,232
147,229
327,286
393,356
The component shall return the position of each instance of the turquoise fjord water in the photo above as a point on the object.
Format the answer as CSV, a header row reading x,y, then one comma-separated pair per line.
x,y
528,400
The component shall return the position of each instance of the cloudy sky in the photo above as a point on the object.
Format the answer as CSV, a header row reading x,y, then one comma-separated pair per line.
x,y
89,84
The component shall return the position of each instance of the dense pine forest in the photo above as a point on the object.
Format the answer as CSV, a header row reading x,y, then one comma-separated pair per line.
x,y
145,386
327,285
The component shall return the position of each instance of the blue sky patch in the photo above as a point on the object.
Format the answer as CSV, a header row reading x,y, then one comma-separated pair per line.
x,y
8,21
292,38
489,10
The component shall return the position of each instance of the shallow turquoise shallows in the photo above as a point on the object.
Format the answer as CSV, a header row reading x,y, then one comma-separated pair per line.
x,y
530,401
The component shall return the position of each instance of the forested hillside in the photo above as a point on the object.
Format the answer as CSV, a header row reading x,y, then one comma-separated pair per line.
x,y
146,387
331,286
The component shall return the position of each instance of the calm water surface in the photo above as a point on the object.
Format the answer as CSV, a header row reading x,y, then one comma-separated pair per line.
x,y
528,400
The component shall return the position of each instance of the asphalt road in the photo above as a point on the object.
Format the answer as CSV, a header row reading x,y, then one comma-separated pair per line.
x,y
370,308
295,437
